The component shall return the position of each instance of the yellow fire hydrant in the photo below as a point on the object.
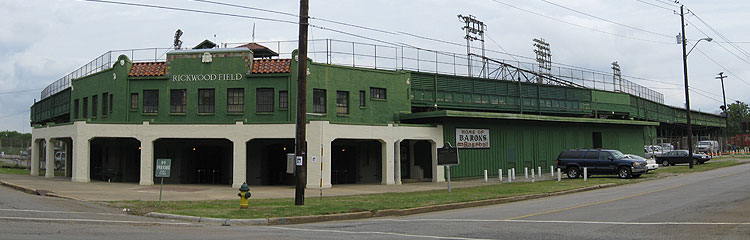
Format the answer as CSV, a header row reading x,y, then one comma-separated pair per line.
x,y
244,195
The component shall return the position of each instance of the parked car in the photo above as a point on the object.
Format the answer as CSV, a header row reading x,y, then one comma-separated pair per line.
x,y
599,161
707,147
680,156
650,151
650,163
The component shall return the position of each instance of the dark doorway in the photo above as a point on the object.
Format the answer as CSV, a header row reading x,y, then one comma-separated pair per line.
x,y
597,139
356,161
197,161
266,162
115,159
416,160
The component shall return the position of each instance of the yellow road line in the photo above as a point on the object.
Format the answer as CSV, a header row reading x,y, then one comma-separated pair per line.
x,y
607,201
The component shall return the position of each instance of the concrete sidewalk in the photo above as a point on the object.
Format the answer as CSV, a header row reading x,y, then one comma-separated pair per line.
x,y
106,191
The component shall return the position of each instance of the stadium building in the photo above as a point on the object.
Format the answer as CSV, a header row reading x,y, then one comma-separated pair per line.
x,y
226,116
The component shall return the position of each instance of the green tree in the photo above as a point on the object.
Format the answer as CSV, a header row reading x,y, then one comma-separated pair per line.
x,y
738,112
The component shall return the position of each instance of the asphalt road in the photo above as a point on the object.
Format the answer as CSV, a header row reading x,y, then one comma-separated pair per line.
x,y
708,205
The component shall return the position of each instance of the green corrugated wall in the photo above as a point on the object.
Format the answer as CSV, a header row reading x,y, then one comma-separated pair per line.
x,y
530,144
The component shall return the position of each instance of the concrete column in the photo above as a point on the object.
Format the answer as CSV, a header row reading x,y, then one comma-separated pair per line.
x,y
438,174
50,159
147,161
81,160
397,161
387,160
35,146
319,146
239,163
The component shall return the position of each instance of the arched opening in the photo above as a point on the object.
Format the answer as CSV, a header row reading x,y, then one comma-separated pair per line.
x,y
416,160
115,159
356,161
196,161
266,162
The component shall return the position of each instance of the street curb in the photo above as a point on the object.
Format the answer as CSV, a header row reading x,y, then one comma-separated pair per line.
x,y
368,214
20,188
37,192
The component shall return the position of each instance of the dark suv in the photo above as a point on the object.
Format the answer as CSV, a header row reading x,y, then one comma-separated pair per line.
x,y
599,161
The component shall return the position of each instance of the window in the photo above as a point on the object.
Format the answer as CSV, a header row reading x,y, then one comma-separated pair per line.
x,y
76,108
235,100
319,100
111,100
134,101
590,155
283,99
177,100
105,104
604,156
85,107
342,102
206,100
377,93
362,98
150,101
264,100
94,105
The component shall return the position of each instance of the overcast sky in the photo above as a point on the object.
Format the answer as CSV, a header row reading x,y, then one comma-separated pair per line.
x,y
43,40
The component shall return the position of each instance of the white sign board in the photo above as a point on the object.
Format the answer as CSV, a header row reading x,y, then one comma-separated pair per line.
x,y
472,138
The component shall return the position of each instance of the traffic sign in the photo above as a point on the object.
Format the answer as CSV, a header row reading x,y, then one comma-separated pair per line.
x,y
163,167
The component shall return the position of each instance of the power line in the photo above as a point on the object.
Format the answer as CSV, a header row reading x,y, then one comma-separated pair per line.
x,y
191,10
721,35
577,25
7,116
720,45
504,52
501,47
607,20
725,69
662,7
295,15
22,91
350,34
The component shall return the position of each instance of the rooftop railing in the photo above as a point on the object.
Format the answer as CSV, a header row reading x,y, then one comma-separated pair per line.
x,y
366,55
402,57
104,62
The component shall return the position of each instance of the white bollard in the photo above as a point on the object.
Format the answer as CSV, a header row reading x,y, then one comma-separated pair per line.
x,y
539,171
558,174
500,175
585,174
510,176
526,172
514,173
552,171
485,175
532,175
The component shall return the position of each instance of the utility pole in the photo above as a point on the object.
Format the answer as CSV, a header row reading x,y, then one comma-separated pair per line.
x,y
300,142
687,93
726,117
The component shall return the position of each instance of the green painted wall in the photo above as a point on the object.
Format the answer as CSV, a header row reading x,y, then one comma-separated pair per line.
x,y
530,144
353,80
331,78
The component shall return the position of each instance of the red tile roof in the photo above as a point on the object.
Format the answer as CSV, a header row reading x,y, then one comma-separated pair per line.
x,y
272,65
148,69
259,51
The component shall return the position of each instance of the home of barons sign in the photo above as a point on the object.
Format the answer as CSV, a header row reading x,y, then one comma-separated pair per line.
x,y
472,138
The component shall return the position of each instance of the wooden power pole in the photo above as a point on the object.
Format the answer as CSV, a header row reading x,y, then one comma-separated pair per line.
x,y
300,142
